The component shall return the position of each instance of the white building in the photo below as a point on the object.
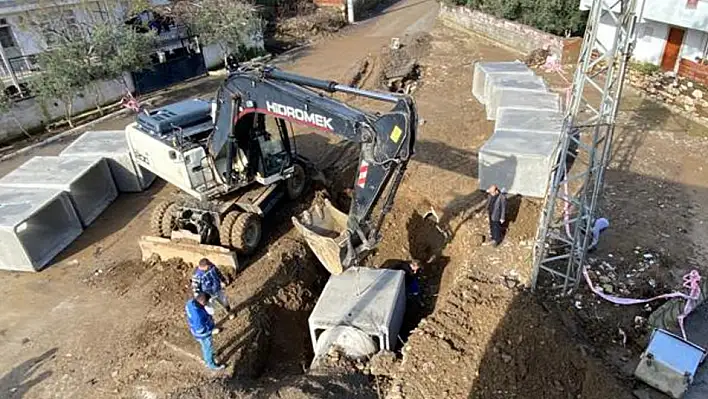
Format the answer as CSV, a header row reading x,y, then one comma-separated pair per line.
x,y
667,31
20,42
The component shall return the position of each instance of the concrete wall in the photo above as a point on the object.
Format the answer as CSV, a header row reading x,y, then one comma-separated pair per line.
x,y
32,115
516,36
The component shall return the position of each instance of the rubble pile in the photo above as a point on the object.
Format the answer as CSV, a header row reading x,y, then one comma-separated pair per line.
x,y
678,92
634,277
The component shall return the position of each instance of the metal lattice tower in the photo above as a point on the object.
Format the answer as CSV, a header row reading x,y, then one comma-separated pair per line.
x,y
576,180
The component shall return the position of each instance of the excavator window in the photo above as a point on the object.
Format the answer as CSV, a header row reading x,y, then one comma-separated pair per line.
x,y
274,155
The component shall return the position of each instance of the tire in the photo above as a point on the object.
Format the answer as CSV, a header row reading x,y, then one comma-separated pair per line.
x,y
225,228
295,185
163,219
241,231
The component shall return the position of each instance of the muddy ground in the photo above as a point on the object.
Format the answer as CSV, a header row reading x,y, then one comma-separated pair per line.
x,y
100,323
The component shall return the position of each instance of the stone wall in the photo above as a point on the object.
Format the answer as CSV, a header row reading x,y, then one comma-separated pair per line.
x,y
510,34
679,94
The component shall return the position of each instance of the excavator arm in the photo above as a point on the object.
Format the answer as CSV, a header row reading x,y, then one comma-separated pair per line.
x,y
387,143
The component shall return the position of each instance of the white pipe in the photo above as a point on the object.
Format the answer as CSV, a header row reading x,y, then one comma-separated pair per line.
x,y
350,11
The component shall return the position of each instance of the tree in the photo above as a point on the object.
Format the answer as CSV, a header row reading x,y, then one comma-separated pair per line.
x,y
232,24
81,53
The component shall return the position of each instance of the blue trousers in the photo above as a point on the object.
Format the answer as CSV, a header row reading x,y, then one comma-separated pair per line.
x,y
207,351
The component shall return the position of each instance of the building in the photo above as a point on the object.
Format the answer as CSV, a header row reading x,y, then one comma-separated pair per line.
x,y
20,42
21,39
178,56
667,32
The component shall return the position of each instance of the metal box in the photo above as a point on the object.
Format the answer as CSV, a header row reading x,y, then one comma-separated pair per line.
x,y
517,162
371,300
669,363
112,145
496,84
530,100
484,70
88,182
521,120
35,225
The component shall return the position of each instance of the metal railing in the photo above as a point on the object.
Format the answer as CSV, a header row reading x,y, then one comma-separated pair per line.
x,y
22,66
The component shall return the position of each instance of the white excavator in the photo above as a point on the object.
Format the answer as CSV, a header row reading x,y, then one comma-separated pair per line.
x,y
236,163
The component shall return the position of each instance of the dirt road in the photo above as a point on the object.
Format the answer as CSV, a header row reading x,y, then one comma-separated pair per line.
x,y
99,323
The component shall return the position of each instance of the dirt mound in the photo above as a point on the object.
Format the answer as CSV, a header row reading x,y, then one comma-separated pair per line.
x,y
494,337
400,66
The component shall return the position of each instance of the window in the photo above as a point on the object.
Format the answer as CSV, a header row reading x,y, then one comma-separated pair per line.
x,y
6,39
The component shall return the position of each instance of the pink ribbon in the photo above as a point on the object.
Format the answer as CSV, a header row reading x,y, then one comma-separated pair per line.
x,y
691,281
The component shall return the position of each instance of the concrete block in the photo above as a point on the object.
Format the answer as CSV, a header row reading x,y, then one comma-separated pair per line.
x,y
517,162
531,100
371,300
112,145
484,70
496,84
521,120
87,181
35,225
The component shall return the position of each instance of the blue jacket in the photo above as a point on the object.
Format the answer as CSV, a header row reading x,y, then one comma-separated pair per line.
x,y
208,282
201,324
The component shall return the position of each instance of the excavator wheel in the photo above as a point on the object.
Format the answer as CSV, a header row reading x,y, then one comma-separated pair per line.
x,y
241,231
163,219
296,184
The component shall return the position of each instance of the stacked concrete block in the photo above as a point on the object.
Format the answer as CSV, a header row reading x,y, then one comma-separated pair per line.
x,y
533,122
531,100
113,146
35,225
497,84
498,88
371,300
518,162
485,70
87,181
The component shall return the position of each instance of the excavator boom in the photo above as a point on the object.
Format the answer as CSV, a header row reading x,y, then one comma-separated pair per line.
x,y
387,143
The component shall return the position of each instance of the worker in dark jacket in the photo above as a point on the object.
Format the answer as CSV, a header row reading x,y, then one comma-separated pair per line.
x,y
207,279
201,325
496,208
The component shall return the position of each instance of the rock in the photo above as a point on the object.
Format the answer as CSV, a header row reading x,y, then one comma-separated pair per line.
x,y
683,87
689,85
608,288
506,358
605,279
383,363
697,94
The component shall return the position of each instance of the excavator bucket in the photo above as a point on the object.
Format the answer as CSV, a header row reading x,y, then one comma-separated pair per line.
x,y
189,251
324,229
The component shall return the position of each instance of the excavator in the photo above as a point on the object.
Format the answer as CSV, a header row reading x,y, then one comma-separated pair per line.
x,y
235,159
